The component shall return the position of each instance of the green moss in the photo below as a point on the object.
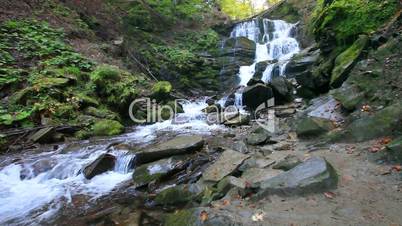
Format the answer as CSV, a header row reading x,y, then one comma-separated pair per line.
x,y
107,127
180,218
346,19
161,90
346,60
105,72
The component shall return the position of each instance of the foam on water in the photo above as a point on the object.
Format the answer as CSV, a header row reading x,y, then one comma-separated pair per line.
x,y
35,188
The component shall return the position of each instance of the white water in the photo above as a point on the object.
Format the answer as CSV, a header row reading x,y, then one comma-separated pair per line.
x,y
273,42
35,188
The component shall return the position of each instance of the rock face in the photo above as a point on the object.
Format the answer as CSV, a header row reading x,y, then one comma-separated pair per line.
x,y
313,175
227,163
177,146
102,164
346,60
254,96
241,47
154,171
313,126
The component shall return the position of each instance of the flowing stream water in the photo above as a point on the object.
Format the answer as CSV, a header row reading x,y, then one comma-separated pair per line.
x,y
274,43
34,186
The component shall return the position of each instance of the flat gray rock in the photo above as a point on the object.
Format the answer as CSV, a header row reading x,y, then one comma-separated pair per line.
x,y
176,146
313,175
227,163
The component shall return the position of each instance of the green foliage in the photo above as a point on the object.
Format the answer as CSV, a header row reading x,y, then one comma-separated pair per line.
x,y
107,127
204,40
161,90
105,72
346,19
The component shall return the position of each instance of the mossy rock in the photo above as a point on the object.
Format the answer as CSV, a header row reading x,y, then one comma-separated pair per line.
x,y
382,123
349,96
177,195
107,127
101,113
161,90
313,126
346,60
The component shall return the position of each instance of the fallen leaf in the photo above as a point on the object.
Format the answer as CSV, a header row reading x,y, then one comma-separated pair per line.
x,y
258,216
203,216
397,168
329,194
226,202
247,184
385,140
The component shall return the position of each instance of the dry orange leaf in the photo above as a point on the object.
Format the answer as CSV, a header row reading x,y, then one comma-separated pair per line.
x,y
397,168
203,216
385,140
226,202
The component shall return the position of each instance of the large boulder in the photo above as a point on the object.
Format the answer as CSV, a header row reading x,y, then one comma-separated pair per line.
x,y
382,123
226,164
302,62
155,171
254,96
313,175
282,89
313,126
346,60
102,164
287,163
176,146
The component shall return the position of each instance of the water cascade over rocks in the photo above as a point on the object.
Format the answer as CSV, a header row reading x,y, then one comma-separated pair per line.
x,y
36,185
275,45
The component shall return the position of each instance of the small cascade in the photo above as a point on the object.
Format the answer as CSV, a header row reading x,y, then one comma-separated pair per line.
x,y
124,162
273,40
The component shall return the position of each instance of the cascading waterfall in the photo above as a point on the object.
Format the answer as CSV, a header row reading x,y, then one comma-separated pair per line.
x,y
273,40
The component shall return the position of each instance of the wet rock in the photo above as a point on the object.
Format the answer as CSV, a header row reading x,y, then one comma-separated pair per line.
x,y
102,164
155,171
395,148
259,136
254,96
226,164
346,60
254,81
313,175
211,101
289,162
282,89
176,146
240,120
313,126
349,96
43,135
254,176
223,187
191,217
324,107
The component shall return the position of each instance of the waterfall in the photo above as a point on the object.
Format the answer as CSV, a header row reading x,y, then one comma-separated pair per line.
x,y
273,42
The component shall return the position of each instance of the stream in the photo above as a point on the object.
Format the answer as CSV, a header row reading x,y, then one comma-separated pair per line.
x,y
35,185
